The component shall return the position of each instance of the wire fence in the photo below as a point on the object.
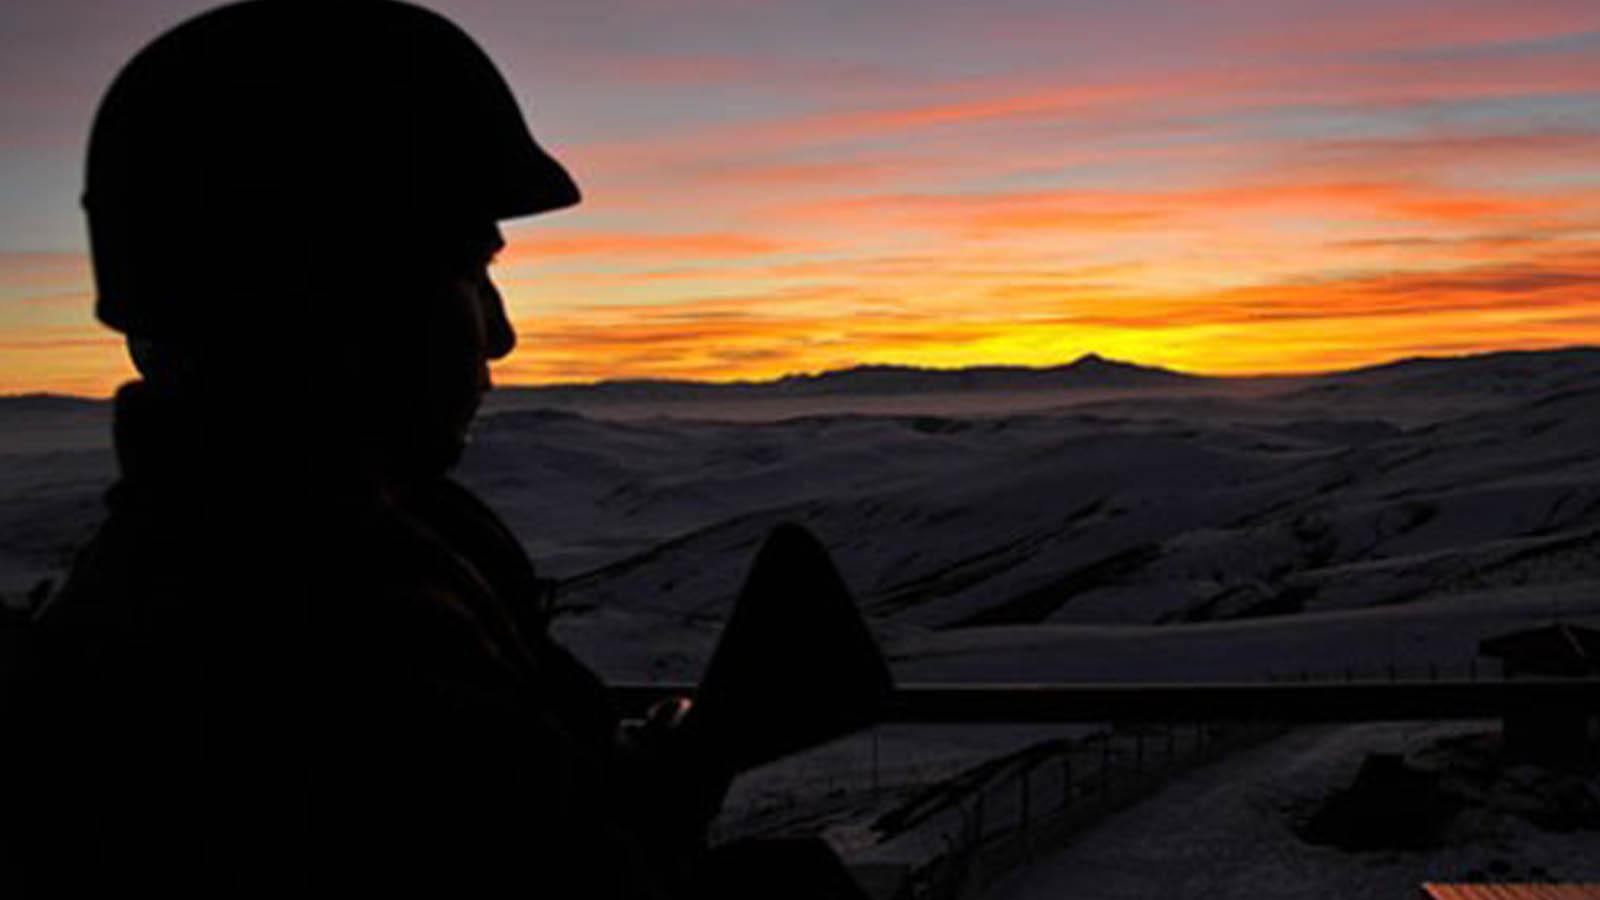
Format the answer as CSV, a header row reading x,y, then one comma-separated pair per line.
x,y
969,826
1012,809
956,834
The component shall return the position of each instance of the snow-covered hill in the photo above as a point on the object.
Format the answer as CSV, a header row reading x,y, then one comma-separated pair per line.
x,y
1147,510
987,502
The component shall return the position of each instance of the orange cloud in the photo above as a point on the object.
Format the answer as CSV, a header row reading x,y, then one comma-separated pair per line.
x,y
42,272
76,360
524,247
1136,104
1283,326
1110,211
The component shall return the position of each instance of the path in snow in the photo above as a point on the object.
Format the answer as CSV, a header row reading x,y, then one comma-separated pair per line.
x,y
1225,831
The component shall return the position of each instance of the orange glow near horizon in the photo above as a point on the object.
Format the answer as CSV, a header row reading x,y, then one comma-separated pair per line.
x,y
1293,187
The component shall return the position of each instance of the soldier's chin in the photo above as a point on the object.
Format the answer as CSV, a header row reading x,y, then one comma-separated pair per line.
x,y
446,439
446,452
425,455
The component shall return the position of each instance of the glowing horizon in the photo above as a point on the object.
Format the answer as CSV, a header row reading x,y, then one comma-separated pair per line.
x,y
1282,187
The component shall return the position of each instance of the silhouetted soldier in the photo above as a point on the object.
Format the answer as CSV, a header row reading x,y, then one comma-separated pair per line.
x,y
296,657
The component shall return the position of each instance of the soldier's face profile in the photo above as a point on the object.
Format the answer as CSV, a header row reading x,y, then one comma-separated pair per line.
x,y
466,328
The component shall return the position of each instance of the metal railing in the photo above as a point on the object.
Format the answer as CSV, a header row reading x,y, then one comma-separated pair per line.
x,y
1034,802
1309,701
998,814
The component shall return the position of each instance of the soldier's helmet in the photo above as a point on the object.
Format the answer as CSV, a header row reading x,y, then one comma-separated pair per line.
x,y
287,131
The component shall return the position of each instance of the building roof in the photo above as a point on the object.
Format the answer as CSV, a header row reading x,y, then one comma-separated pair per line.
x,y
1511,891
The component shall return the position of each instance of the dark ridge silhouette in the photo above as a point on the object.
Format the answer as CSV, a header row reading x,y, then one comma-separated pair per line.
x,y
1091,372
1579,354
46,403
1537,370
1514,373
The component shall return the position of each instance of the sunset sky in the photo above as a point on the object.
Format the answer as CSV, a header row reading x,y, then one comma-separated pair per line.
x,y
777,187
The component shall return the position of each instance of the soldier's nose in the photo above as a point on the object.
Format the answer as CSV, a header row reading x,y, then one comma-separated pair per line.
x,y
501,337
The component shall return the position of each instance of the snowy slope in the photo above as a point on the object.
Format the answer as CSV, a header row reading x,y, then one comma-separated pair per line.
x,y
1131,513
55,462
1228,831
1182,501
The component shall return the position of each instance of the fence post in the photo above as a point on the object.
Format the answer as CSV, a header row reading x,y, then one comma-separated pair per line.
x,y
1027,819
977,819
875,782
949,881
1105,762
1066,779
975,869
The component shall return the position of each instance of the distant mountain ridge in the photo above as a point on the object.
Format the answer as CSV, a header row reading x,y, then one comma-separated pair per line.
x,y
1509,372
1505,361
46,402
1522,371
1091,371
